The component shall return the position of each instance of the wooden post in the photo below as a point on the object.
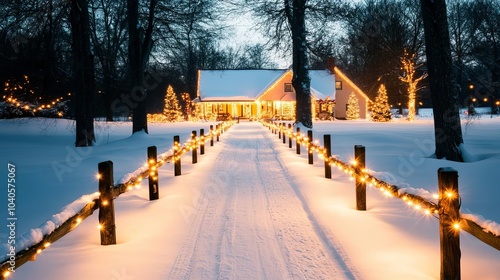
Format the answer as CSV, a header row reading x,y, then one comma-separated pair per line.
x,y
284,133
106,205
211,135
279,130
218,132
290,138
297,144
202,143
153,173
177,161
449,223
310,155
195,147
359,155
328,147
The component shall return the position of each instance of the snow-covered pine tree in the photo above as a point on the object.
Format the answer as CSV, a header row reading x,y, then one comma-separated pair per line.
x,y
381,111
352,108
172,109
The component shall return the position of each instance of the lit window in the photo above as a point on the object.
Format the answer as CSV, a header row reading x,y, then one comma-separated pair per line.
x,y
338,85
288,87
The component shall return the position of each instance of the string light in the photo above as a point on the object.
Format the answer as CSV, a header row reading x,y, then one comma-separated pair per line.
x,y
136,181
414,201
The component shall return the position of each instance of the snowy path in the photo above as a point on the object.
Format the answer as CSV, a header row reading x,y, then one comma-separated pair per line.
x,y
249,222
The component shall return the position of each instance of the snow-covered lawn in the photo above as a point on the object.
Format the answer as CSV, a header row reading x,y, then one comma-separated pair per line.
x,y
251,208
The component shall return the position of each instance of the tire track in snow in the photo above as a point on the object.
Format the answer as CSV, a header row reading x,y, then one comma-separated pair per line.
x,y
250,223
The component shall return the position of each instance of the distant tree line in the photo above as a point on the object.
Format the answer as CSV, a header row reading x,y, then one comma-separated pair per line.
x,y
184,36
118,56
376,34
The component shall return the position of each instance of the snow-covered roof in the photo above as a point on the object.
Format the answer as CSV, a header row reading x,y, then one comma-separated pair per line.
x,y
250,85
235,85
322,84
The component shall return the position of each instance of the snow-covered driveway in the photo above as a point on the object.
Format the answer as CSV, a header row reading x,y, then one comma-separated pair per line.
x,y
250,223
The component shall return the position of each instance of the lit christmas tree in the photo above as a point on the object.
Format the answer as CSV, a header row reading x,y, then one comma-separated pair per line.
x,y
352,108
172,109
381,111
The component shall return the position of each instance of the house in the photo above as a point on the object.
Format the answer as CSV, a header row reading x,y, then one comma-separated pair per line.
x,y
259,94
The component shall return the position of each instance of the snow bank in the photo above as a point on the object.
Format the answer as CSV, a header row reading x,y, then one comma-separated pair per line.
x,y
36,235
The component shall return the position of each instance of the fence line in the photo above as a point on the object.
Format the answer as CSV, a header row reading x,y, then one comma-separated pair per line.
x,y
357,171
174,154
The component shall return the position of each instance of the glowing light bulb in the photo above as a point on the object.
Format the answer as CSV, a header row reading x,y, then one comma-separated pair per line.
x,y
435,196
46,245
6,274
38,251
105,203
100,226
427,212
456,226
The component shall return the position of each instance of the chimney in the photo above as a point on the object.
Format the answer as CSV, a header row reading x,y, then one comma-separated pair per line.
x,y
330,64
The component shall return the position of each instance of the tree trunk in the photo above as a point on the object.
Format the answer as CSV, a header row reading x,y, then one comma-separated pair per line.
x,y
444,93
108,95
300,81
139,50
138,92
83,73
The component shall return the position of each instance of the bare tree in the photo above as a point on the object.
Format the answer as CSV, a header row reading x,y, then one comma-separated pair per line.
x,y
444,93
139,50
285,23
83,73
411,79
108,38
377,34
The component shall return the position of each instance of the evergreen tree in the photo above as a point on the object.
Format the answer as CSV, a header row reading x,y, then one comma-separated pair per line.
x,y
381,111
172,108
352,108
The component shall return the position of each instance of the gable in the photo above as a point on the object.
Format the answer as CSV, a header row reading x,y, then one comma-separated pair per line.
x,y
322,84
276,91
